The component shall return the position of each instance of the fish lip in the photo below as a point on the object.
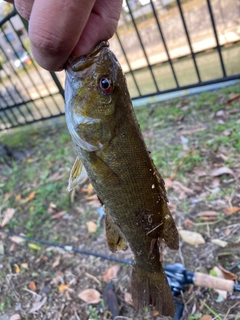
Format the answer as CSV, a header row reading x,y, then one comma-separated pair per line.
x,y
75,64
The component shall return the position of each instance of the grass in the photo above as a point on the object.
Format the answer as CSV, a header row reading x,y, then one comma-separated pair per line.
x,y
185,136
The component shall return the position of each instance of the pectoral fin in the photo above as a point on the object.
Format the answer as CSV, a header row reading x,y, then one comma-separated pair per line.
x,y
115,238
77,175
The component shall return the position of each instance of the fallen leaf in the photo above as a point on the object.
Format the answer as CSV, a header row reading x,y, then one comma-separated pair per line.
x,y
34,246
24,266
62,288
155,313
91,226
188,223
227,274
128,298
220,171
231,210
191,237
38,304
90,296
16,239
111,273
93,197
7,216
58,214
90,189
178,186
200,172
31,196
168,183
7,196
56,262
206,317
17,268
18,197
32,286
207,215
219,242
15,317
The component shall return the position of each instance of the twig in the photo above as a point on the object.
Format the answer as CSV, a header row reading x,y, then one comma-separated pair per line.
x,y
225,318
92,277
154,229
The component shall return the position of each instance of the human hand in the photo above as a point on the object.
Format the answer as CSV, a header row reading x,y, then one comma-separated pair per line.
x,y
58,29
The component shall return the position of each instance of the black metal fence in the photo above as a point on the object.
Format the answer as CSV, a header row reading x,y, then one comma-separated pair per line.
x,y
162,45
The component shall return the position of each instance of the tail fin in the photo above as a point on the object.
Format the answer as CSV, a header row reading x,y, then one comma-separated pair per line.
x,y
150,288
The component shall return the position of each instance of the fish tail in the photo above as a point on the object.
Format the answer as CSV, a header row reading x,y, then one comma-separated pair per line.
x,y
152,288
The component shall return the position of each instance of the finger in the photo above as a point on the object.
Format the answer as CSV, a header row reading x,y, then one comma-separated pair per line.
x,y
54,29
24,7
101,25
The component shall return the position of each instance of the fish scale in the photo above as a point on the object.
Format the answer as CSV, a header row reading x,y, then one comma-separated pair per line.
x,y
109,143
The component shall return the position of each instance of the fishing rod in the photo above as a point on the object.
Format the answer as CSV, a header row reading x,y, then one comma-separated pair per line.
x,y
178,276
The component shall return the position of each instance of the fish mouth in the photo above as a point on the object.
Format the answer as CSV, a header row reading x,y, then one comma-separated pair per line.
x,y
75,64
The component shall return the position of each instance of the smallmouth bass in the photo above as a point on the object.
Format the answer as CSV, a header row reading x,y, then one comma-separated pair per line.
x,y
110,147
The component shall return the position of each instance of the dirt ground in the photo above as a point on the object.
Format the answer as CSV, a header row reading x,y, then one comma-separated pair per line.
x,y
195,144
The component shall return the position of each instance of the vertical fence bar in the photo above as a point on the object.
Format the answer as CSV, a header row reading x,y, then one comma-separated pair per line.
x,y
128,64
216,37
188,39
142,46
23,85
164,43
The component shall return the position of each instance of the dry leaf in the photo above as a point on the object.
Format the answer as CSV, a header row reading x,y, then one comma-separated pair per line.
x,y
168,183
7,216
207,215
191,237
221,171
90,189
18,197
200,172
90,296
206,317
219,242
155,313
231,210
16,239
38,305
128,298
31,196
62,288
24,266
58,214
32,286
227,274
56,262
17,268
93,197
91,226
15,317
178,186
188,223
111,273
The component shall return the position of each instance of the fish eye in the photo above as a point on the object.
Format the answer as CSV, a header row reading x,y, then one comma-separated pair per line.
x,y
106,85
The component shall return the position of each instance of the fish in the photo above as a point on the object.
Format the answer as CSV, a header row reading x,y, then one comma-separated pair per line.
x,y
111,150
